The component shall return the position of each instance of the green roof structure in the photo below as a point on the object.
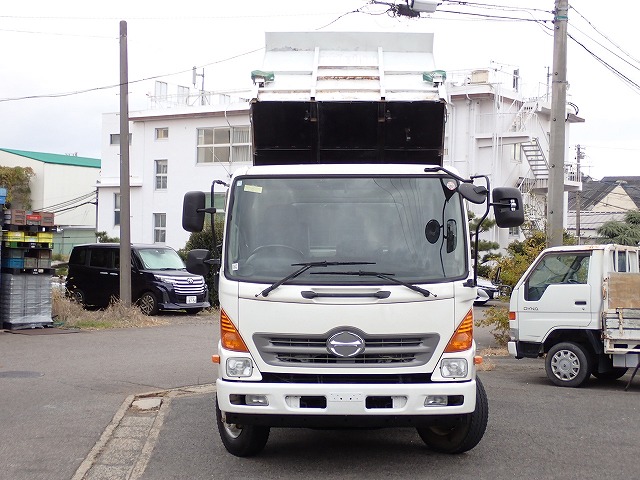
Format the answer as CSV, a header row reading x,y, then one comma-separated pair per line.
x,y
57,159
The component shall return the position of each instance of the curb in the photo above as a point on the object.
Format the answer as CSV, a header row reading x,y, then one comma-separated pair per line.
x,y
126,445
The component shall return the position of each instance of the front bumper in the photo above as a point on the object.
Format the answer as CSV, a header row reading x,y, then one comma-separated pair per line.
x,y
183,306
344,404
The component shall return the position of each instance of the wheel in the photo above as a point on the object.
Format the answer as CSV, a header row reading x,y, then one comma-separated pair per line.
x,y
241,440
568,364
193,311
614,374
78,297
464,433
148,304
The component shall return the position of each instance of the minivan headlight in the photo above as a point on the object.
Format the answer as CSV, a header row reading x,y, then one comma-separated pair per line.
x,y
164,278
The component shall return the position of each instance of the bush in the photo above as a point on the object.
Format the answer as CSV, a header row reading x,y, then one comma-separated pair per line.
x,y
498,318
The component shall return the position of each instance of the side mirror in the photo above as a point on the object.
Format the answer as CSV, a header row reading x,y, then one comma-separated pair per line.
x,y
193,210
452,240
477,194
197,262
507,207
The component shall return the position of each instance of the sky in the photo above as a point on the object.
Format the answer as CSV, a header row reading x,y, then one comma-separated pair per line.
x,y
60,61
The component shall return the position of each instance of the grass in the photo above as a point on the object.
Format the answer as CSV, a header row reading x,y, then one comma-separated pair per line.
x,y
68,314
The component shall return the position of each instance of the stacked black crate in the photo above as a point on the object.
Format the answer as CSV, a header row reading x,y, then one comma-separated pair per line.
x,y
25,296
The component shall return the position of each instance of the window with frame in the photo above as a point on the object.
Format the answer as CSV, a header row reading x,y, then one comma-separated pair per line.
x,y
162,133
116,209
554,269
183,95
114,139
159,227
161,89
516,152
224,145
514,231
161,169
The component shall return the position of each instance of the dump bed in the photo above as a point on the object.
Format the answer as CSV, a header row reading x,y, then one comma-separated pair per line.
x,y
341,97
621,313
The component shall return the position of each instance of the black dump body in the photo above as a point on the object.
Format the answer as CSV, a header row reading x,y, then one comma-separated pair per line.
x,y
306,132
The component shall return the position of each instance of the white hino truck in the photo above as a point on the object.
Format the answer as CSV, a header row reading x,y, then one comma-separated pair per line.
x,y
346,282
579,307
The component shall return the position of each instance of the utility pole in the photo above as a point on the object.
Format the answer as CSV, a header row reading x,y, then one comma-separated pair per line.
x,y
555,205
579,156
125,202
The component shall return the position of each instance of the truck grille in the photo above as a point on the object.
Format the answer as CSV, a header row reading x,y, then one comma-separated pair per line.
x,y
379,351
183,287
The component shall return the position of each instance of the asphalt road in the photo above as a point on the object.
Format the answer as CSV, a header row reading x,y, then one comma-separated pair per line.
x,y
535,431
59,392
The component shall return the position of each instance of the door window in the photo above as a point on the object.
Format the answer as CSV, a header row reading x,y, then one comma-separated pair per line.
x,y
562,268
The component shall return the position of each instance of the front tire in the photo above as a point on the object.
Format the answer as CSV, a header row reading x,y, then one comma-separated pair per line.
x,y
78,296
464,433
241,440
148,304
568,364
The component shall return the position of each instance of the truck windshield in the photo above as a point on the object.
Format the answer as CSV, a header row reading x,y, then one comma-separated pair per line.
x,y
276,223
160,259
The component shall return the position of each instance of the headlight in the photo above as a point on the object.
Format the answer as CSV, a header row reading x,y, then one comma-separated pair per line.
x,y
239,367
454,367
164,278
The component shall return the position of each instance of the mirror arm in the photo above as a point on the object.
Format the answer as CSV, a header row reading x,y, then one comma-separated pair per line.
x,y
477,238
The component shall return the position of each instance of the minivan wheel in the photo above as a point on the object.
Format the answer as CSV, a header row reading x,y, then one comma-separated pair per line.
x,y
148,304
78,296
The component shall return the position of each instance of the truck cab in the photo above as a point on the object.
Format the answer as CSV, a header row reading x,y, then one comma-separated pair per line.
x,y
559,307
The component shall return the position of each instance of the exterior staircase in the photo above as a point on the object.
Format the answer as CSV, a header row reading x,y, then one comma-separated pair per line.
x,y
538,162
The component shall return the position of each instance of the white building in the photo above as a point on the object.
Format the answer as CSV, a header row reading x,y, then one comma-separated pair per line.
x,y
64,185
172,151
492,129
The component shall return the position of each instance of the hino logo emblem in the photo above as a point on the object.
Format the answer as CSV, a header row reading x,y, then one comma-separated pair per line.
x,y
189,280
345,344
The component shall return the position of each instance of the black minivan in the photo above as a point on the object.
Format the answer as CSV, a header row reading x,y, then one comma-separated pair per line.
x,y
159,279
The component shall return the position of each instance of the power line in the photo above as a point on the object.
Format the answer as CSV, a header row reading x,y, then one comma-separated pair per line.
x,y
604,36
117,85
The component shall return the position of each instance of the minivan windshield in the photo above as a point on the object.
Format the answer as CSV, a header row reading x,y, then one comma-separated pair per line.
x,y
160,258
410,228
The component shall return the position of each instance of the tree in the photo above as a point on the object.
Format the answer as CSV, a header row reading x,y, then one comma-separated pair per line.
x,y
626,232
102,237
483,245
17,182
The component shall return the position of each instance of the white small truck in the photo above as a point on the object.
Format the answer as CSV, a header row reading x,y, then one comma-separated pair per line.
x,y
579,306
346,282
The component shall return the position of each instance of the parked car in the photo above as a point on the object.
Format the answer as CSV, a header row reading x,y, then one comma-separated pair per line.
x,y
159,279
486,291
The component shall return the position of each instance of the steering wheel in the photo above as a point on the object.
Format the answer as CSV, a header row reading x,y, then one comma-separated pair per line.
x,y
275,254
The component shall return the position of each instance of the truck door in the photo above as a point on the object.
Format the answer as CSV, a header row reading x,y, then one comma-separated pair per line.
x,y
557,294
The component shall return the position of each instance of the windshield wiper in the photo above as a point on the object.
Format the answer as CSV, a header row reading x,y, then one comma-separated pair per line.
x,y
385,276
303,268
